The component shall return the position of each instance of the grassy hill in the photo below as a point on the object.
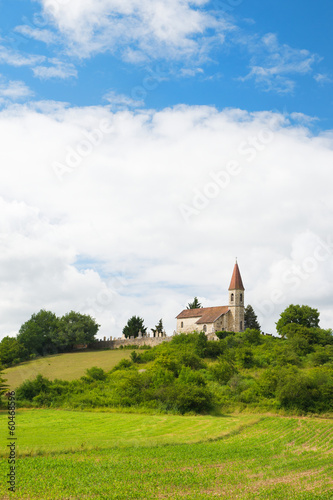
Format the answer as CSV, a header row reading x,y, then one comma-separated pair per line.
x,y
69,366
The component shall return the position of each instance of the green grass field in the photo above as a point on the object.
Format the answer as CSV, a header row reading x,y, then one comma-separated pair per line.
x,y
66,455
64,366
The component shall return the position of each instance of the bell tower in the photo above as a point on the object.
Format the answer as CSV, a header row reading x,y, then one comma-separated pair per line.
x,y
236,301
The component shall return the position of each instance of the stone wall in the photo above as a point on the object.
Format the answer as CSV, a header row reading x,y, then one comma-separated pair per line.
x,y
116,343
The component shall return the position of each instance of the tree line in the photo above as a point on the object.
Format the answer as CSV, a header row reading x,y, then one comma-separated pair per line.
x,y
45,333
292,373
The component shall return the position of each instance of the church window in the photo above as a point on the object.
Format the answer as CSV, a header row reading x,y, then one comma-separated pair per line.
x,y
232,297
182,324
241,297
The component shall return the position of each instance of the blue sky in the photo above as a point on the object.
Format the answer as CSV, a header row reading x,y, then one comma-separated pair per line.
x,y
295,38
147,143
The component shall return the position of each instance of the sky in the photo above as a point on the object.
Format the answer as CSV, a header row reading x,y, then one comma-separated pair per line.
x,y
145,144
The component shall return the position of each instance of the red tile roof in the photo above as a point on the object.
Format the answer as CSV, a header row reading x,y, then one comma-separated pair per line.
x,y
205,314
236,280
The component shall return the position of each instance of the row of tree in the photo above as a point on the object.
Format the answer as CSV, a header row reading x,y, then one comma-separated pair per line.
x,y
45,333
135,325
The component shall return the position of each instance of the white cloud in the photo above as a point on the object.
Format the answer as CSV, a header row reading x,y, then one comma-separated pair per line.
x,y
137,28
108,236
57,69
16,58
13,89
42,66
121,100
322,79
41,35
274,65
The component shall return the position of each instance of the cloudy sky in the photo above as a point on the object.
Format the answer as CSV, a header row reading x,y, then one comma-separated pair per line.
x,y
145,144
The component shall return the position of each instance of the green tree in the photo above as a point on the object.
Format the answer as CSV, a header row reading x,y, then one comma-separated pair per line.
x,y
12,352
134,325
75,328
300,315
194,305
38,333
250,319
299,335
158,328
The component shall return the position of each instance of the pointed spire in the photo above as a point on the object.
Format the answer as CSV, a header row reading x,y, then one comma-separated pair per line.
x,y
236,280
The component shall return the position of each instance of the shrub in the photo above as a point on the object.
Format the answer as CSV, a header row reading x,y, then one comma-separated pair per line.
x,y
123,364
321,355
31,388
185,398
161,376
223,370
96,373
245,357
188,376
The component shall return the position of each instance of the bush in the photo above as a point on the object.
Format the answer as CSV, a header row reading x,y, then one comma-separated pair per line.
x,y
223,334
185,398
245,357
161,377
95,373
31,388
188,376
223,371
215,348
321,355
123,364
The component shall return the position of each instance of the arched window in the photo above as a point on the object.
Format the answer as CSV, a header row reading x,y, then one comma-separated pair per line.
x,y
232,297
241,297
205,328
182,324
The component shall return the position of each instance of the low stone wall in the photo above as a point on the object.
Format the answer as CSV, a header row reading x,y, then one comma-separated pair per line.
x,y
115,344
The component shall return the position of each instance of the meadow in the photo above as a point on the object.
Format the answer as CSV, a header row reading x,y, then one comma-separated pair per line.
x,y
68,366
67,455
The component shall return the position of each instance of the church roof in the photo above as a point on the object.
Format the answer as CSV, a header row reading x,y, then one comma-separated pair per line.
x,y
205,314
236,280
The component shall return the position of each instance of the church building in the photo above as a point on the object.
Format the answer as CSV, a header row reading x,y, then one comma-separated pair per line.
x,y
216,319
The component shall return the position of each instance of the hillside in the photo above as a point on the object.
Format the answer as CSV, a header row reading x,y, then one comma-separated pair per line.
x,y
192,374
69,366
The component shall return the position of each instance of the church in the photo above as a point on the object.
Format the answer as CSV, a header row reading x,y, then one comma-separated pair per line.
x,y
216,319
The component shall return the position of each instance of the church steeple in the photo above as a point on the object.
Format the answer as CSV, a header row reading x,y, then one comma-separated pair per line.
x,y
236,282
236,301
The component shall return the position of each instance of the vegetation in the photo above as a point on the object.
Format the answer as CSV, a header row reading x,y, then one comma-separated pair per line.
x,y
250,319
134,325
123,456
190,374
44,333
158,328
194,305
298,315
12,351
